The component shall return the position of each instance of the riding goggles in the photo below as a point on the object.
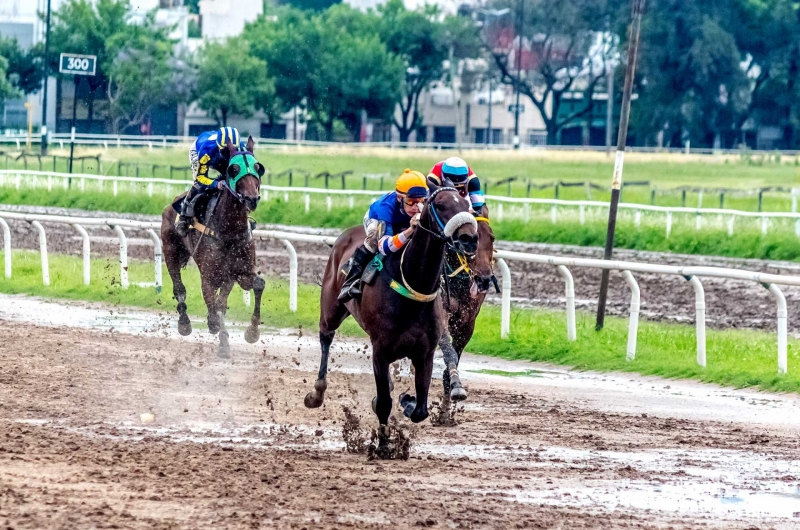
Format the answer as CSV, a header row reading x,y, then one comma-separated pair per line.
x,y
411,201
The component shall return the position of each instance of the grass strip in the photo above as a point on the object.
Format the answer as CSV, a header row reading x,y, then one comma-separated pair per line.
x,y
738,358
780,242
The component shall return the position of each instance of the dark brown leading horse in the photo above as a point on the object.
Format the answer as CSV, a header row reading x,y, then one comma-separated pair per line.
x,y
398,326
225,254
466,284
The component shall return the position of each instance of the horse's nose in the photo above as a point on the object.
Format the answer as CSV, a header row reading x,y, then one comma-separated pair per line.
x,y
468,243
484,282
251,203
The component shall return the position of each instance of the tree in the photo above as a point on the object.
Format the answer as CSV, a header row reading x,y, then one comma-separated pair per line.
x,y
144,75
87,27
332,63
7,88
566,49
418,38
24,68
231,81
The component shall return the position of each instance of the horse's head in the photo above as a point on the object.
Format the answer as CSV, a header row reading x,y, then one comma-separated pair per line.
x,y
483,262
451,217
244,175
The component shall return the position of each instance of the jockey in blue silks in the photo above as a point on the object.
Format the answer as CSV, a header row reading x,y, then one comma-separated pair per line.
x,y
389,223
208,152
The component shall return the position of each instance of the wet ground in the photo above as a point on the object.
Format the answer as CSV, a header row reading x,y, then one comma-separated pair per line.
x,y
109,419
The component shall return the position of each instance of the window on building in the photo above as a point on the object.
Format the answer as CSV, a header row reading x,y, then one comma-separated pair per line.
x,y
496,137
273,131
444,135
537,137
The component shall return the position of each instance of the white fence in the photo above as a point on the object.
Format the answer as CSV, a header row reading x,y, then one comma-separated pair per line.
x,y
20,179
113,140
691,274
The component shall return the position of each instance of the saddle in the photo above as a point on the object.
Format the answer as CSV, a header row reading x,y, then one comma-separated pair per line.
x,y
201,205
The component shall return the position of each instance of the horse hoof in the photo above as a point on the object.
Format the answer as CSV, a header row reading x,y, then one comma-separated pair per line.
x,y
409,404
185,329
224,352
312,401
252,334
458,394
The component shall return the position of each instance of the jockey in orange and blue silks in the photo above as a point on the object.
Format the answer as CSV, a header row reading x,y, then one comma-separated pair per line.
x,y
462,177
208,152
389,224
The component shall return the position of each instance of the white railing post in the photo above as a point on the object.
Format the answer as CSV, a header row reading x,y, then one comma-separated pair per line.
x,y
292,275
505,303
329,202
582,214
87,264
730,225
698,221
115,188
764,225
500,211
123,256
351,202
637,218
669,223
149,189
553,217
633,324
157,259
700,318
43,251
569,290
286,197
6,246
782,318
307,199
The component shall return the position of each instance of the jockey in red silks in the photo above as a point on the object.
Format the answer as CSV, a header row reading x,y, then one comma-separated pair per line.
x,y
462,177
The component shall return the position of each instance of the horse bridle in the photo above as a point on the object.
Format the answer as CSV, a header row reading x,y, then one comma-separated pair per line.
x,y
443,228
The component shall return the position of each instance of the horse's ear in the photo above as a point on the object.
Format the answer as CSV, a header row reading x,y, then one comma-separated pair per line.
x,y
233,170
231,147
433,183
447,183
250,144
260,169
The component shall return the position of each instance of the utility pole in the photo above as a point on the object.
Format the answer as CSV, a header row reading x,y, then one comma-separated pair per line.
x,y
520,11
43,144
74,113
637,6
610,108
488,138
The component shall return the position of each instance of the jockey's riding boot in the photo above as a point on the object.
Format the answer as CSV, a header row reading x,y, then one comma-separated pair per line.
x,y
352,283
182,224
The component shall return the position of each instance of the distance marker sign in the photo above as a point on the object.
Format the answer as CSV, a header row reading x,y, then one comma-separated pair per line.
x,y
72,63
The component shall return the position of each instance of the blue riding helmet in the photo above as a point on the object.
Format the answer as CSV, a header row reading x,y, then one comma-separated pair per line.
x,y
225,134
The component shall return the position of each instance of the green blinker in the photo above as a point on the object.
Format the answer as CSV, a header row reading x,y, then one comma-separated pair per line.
x,y
247,166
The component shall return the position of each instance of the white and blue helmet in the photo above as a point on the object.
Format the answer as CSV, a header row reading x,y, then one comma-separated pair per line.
x,y
456,170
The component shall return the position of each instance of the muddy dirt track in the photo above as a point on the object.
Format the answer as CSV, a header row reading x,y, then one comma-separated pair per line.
x,y
231,445
729,303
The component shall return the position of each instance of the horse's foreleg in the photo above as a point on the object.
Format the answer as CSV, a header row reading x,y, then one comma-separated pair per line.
x,y
450,377
315,398
210,298
382,402
221,307
416,409
252,333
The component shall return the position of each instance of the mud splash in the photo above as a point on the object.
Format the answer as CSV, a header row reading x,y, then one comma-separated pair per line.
x,y
444,413
398,444
354,435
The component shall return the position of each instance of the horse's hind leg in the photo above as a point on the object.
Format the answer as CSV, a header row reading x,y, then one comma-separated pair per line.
x,y
176,256
382,403
416,409
315,398
453,389
332,314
